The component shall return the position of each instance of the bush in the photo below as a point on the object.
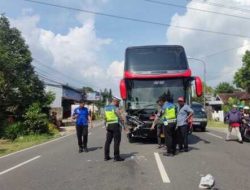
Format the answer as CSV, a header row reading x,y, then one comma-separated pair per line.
x,y
14,130
35,121
52,130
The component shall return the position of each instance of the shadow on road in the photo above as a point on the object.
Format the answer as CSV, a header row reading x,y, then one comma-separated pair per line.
x,y
193,139
128,155
94,148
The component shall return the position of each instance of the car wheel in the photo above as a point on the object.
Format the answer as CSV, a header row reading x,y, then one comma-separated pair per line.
x,y
203,129
130,138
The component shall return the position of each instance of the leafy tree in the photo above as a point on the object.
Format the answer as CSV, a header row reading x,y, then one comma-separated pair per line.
x,y
224,87
19,85
242,76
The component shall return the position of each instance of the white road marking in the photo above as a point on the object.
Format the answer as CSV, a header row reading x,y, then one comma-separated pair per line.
x,y
19,165
161,168
36,146
215,135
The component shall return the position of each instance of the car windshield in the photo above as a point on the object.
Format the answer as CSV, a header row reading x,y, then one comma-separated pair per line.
x,y
156,59
144,93
198,110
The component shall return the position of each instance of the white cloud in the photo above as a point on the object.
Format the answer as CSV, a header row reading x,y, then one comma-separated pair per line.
x,y
198,44
116,69
75,53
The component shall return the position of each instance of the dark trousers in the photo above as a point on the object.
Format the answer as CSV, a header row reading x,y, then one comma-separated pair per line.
x,y
159,132
113,131
183,137
170,137
82,136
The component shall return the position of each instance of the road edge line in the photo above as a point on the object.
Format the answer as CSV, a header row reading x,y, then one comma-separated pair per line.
x,y
19,165
161,168
35,146
215,135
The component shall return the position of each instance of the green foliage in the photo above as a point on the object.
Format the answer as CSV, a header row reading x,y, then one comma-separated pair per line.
x,y
232,101
35,120
52,130
14,130
224,87
242,76
19,85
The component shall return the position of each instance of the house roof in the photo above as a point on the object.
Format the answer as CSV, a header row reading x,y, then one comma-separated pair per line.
x,y
239,95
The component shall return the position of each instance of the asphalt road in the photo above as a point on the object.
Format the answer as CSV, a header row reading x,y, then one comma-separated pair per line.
x,y
58,165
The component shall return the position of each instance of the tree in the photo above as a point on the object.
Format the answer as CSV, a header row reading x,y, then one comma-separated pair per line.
x,y
224,87
242,76
20,87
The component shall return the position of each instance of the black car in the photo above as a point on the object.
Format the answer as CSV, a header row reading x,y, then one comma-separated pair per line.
x,y
199,117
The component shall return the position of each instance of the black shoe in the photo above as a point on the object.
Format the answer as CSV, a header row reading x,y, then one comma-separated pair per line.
x,y
119,159
85,149
80,150
168,154
107,159
181,150
159,146
241,142
185,150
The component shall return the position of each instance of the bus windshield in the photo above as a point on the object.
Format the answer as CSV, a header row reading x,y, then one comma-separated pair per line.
x,y
144,93
165,58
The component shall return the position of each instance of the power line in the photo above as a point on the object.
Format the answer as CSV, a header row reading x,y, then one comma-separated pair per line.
x,y
196,9
57,72
139,20
48,79
220,52
221,5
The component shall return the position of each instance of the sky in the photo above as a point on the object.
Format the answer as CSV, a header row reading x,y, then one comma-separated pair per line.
x,y
80,49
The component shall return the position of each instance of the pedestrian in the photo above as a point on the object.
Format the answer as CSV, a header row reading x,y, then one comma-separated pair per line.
x,y
159,123
234,117
167,116
114,122
183,116
83,118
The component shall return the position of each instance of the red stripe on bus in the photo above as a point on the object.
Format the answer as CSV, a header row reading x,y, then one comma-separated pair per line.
x,y
131,75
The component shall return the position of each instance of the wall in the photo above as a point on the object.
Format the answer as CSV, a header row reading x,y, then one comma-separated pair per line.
x,y
57,90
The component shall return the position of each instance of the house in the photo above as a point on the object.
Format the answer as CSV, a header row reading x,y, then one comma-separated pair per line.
x,y
242,96
65,96
215,104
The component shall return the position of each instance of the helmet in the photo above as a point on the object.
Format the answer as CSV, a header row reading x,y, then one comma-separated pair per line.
x,y
246,108
116,98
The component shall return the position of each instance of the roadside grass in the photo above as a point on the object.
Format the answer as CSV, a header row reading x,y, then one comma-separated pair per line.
x,y
217,124
8,146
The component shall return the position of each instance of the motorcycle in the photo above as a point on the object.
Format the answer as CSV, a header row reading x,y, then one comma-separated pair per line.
x,y
245,131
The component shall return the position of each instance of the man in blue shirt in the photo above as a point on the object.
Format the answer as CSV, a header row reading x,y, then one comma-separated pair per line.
x,y
184,114
83,118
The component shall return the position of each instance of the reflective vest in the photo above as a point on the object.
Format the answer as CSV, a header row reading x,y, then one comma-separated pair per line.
x,y
169,114
110,114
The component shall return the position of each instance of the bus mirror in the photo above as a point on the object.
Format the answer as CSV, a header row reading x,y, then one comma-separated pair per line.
x,y
198,86
123,90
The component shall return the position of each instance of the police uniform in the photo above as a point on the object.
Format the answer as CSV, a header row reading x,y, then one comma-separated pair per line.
x,y
169,121
113,132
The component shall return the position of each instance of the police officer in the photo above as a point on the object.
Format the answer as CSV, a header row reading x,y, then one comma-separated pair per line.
x,y
113,118
83,118
168,117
